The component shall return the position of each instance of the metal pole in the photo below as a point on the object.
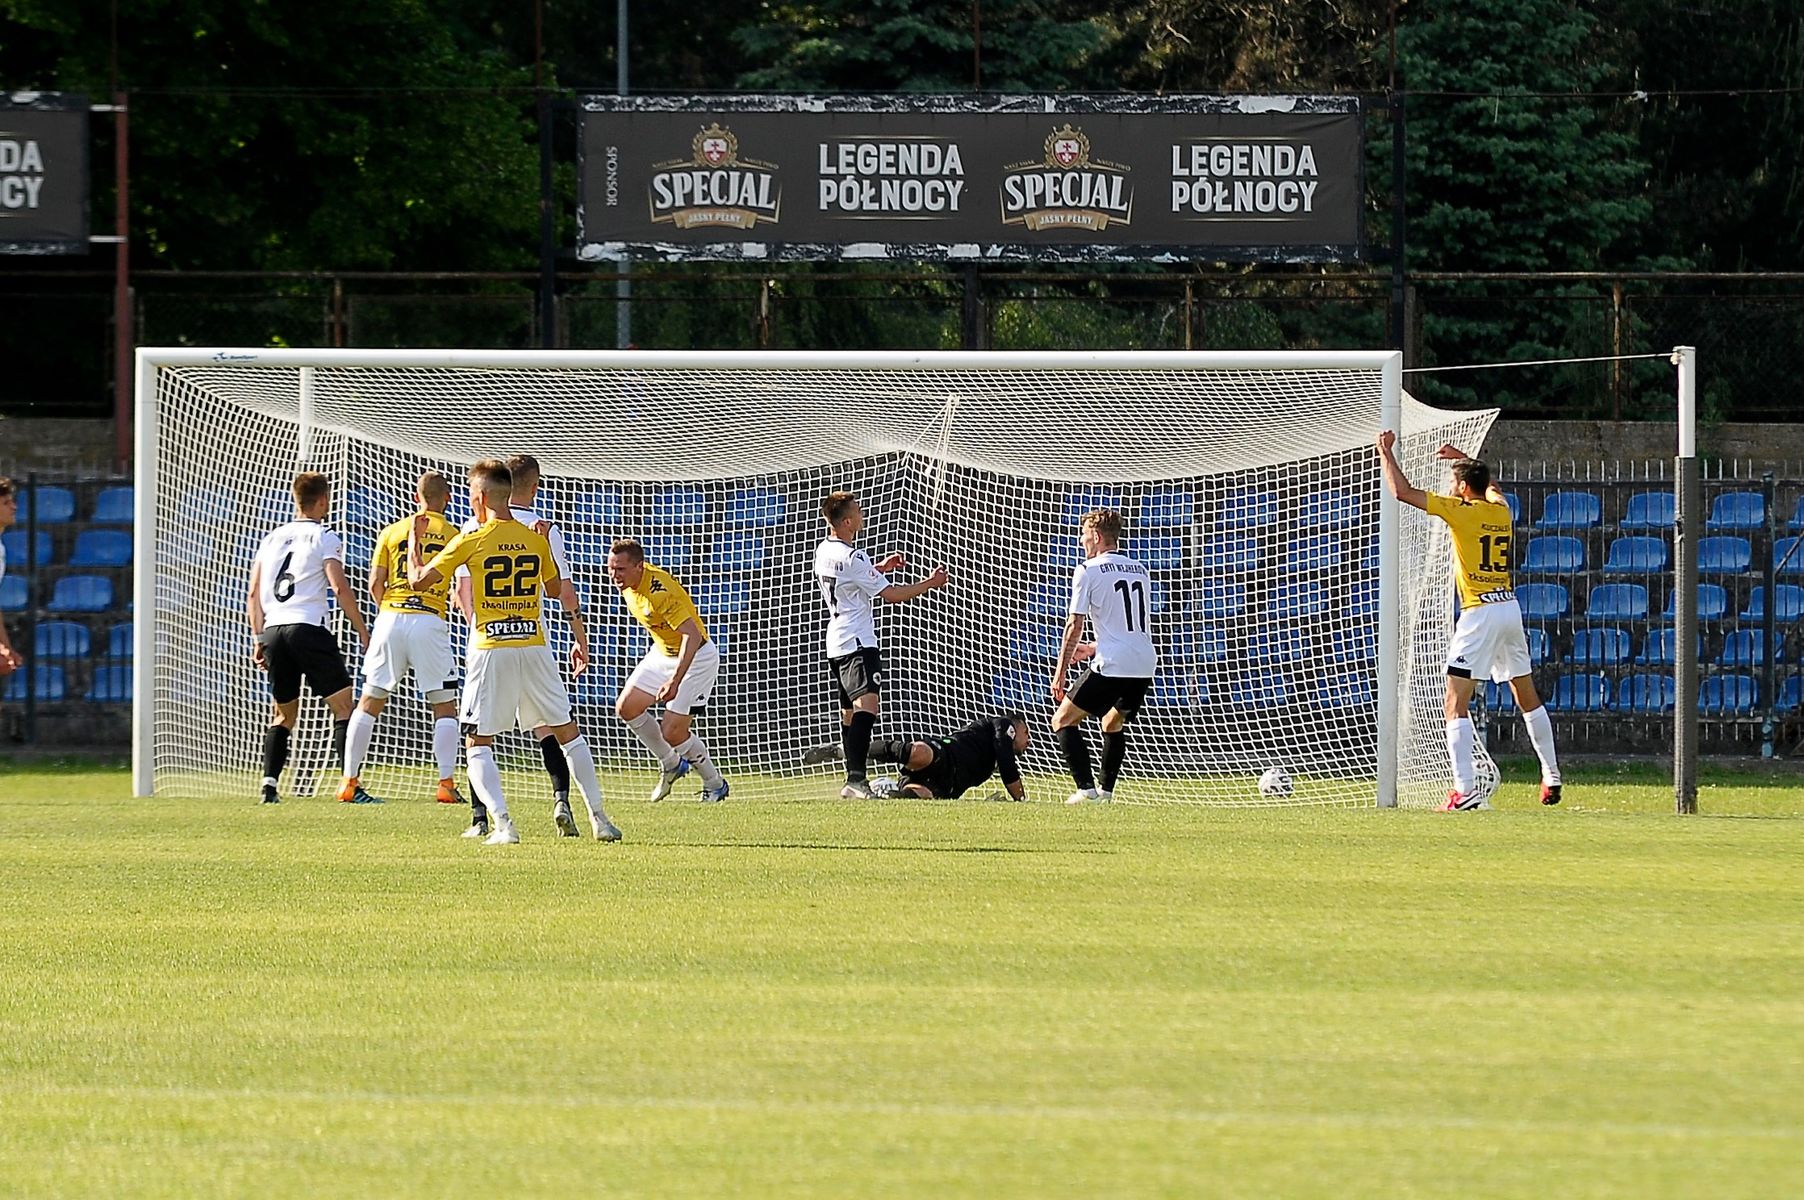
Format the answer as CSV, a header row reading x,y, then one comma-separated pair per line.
x,y
1769,619
547,233
1390,599
623,287
1399,225
122,285
144,589
969,325
1688,502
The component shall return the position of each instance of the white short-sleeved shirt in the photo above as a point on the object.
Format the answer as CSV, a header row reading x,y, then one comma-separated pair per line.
x,y
293,584
1114,591
849,583
529,518
3,560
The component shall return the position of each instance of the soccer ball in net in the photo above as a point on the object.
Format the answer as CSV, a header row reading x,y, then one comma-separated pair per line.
x,y
1275,782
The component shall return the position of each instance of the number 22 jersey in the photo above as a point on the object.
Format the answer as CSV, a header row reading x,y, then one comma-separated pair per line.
x,y
511,571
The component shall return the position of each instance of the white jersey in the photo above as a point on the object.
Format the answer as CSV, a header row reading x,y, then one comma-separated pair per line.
x,y
850,583
1112,590
529,518
3,560
293,583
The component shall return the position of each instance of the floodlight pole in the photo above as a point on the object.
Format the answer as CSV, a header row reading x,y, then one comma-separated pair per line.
x,y
1688,525
623,287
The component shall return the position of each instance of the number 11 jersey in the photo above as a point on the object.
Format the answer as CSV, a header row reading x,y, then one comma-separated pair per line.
x,y
1114,592
512,570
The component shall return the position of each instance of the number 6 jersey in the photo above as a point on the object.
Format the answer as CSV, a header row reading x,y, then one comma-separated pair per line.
x,y
292,584
511,571
1113,591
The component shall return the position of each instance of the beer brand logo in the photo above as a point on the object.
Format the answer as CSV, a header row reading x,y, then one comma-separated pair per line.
x,y
714,187
1066,188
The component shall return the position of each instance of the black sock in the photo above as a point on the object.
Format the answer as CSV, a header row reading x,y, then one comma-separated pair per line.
x,y
1077,756
275,751
890,750
556,765
338,740
1114,750
479,812
858,743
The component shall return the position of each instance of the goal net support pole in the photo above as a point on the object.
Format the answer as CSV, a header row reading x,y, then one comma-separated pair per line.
x,y
1688,504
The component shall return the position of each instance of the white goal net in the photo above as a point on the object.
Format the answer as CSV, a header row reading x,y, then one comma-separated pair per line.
x,y
1248,483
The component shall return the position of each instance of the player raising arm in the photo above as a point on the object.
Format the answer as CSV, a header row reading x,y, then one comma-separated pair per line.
x,y
1488,639
286,604
511,675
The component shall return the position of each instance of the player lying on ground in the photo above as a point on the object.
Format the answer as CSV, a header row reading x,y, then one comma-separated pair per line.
x,y
679,671
410,635
1488,640
286,605
946,768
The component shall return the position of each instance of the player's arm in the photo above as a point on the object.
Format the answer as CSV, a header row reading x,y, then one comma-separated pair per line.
x,y
8,656
1452,453
902,593
253,611
693,640
1074,633
347,600
1394,478
1007,769
379,571
420,574
551,584
460,595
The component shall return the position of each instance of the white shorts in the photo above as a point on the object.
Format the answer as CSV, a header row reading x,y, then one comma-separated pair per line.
x,y
509,683
417,642
656,668
1488,643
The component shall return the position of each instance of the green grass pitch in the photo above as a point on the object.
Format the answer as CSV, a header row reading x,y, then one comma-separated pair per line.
x,y
829,999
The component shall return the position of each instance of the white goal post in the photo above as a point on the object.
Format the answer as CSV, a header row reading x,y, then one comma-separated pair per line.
x,y
1300,615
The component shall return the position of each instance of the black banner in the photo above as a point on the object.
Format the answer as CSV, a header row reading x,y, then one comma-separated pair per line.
x,y
43,173
979,179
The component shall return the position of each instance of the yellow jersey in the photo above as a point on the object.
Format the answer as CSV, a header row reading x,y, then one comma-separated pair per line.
x,y
511,571
391,553
1481,547
662,605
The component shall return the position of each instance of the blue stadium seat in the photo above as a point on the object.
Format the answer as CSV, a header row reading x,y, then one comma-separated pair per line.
x,y
104,548
1728,555
1747,648
1038,642
716,598
14,542
1580,693
1788,604
597,507
1049,598
672,551
1728,695
1540,645
54,505
1247,509
208,508
1346,691
1089,500
1570,510
1617,602
1157,596
1713,602
587,548
1330,508
1020,688
1161,552
1791,694
1788,556
273,508
1600,647
1499,698
1636,556
14,593
370,509
1797,515
1219,599
1304,598
1278,644
1173,689
1543,601
49,686
62,639
1259,689
1514,505
1644,693
1661,648
119,641
1349,643
1553,556
110,685
1313,552
1651,510
1737,510
115,506
84,594
756,508
1194,645
1167,508
739,550
1218,555
678,506
1363,599
1063,553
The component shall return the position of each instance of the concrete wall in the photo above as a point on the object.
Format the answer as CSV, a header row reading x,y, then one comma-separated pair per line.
x,y
45,444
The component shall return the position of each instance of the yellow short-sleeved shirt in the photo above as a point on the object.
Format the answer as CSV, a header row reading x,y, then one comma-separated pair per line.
x,y
511,572
1482,542
391,552
661,604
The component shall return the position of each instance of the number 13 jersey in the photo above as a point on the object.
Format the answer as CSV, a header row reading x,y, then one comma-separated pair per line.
x,y
1481,547
511,570
1114,591
292,584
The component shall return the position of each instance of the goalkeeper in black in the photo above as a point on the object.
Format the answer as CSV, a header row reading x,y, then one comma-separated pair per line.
x,y
946,768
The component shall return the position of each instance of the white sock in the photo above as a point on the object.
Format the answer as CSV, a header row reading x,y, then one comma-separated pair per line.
x,y
582,769
358,733
1460,739
645,728
444,746
697,754
1540,733
485,777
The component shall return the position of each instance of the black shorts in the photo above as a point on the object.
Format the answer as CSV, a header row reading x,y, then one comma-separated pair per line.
x,y
1096,694
294,652
947,776
859,673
